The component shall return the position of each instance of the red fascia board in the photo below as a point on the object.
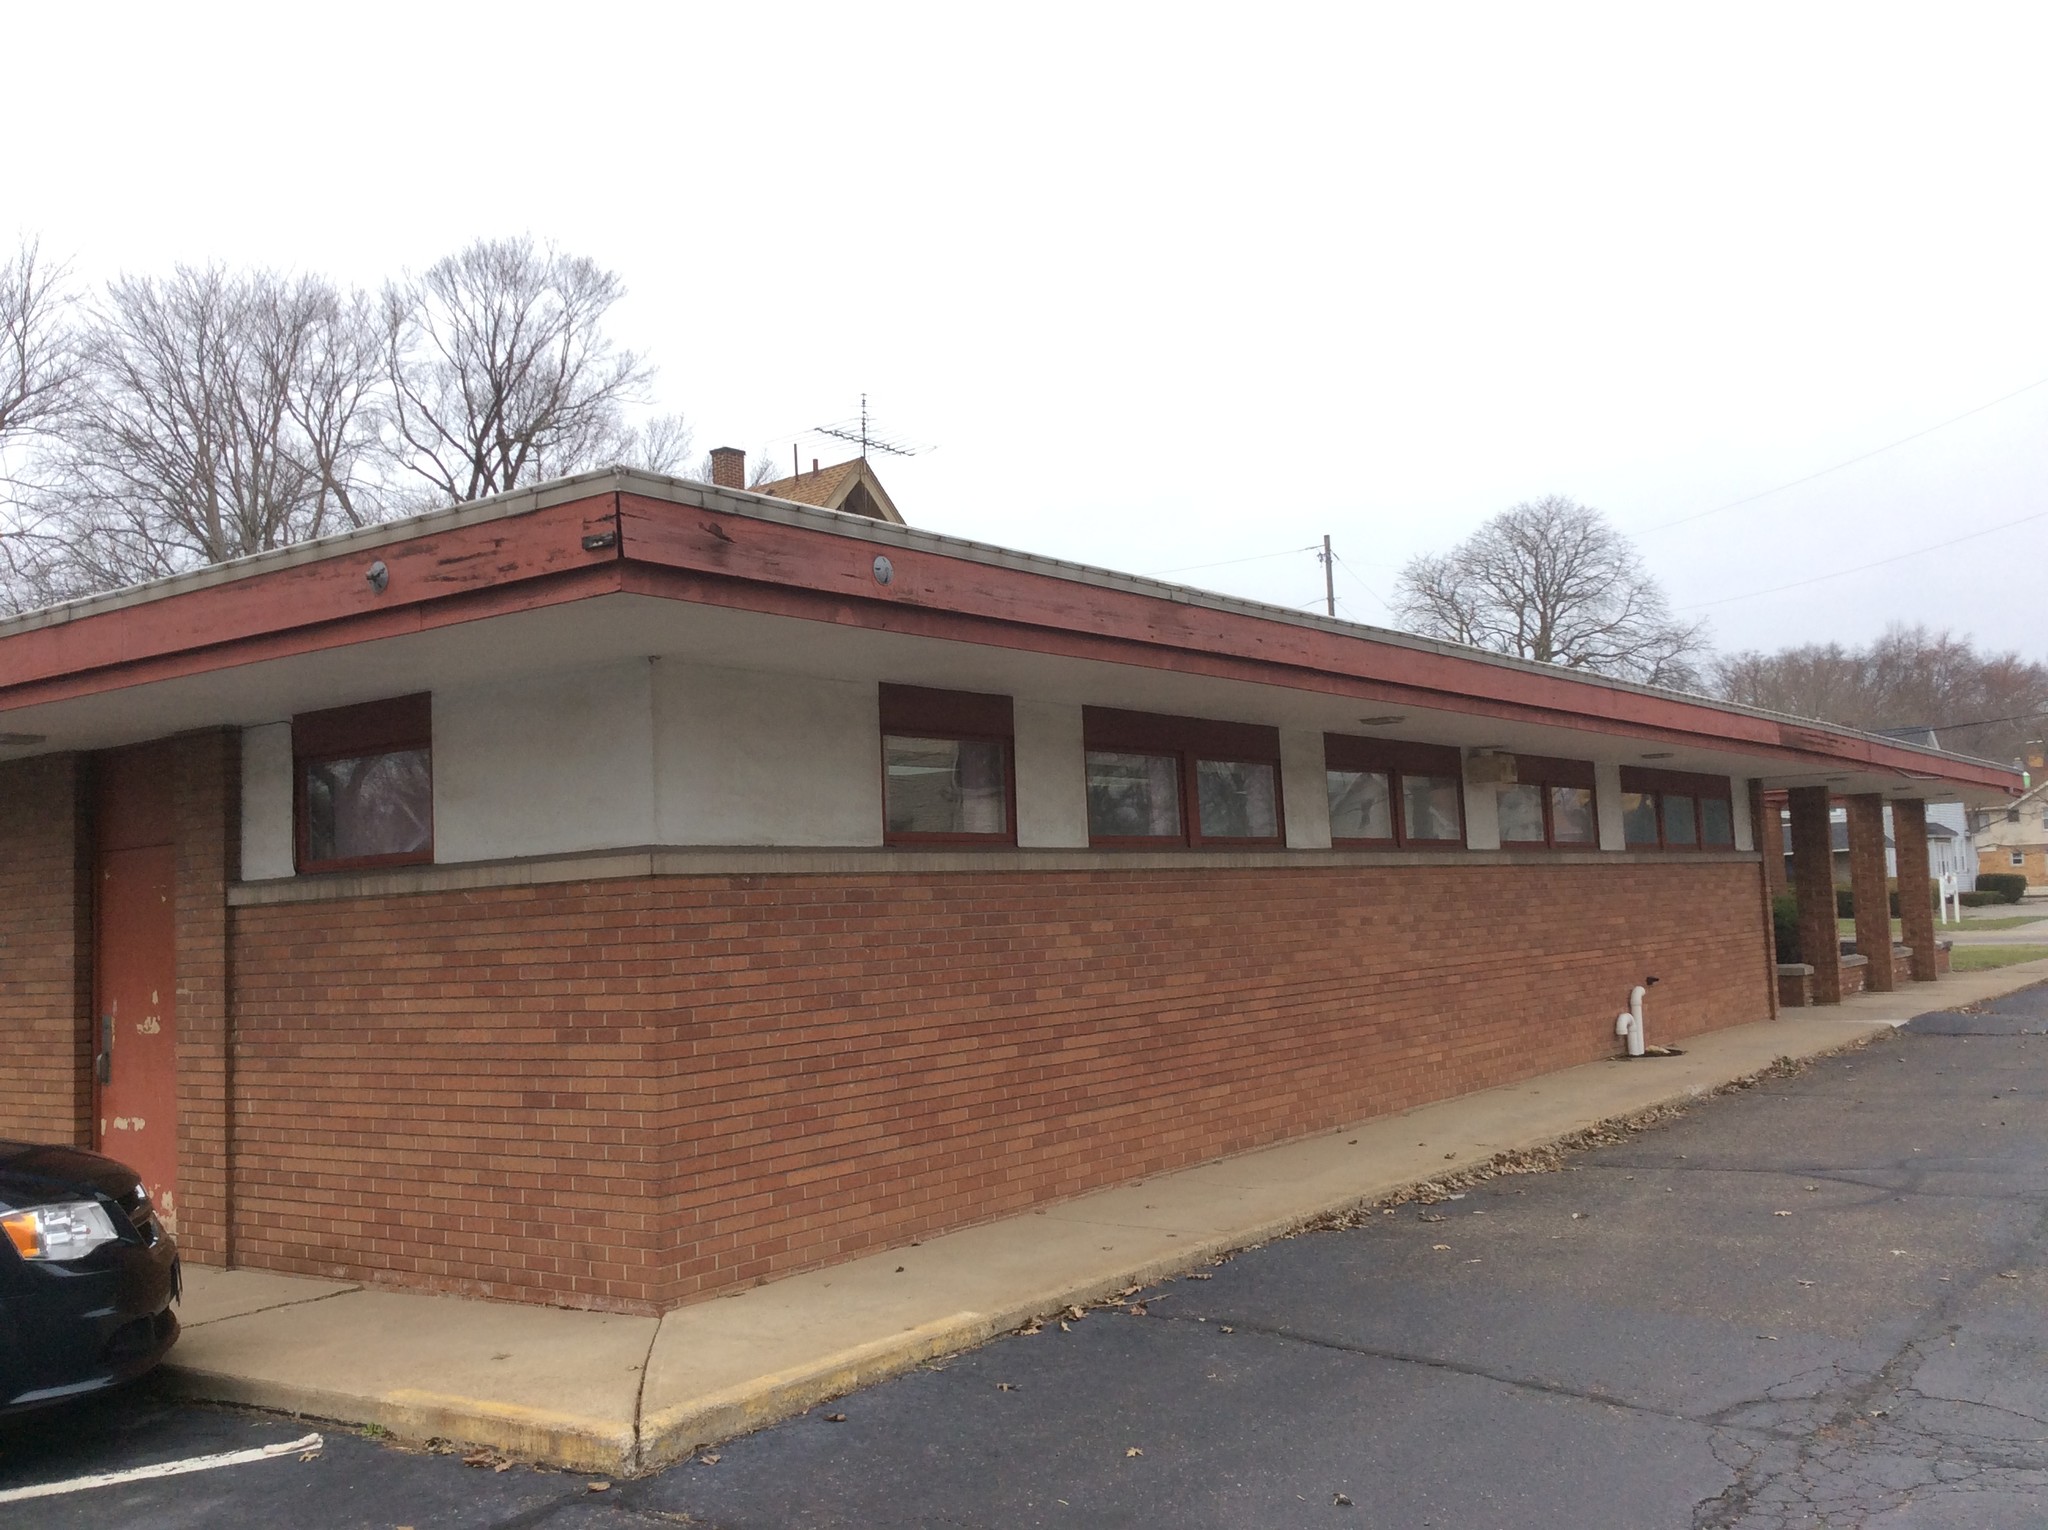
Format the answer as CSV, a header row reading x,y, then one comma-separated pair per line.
x,y
1071,617
328,602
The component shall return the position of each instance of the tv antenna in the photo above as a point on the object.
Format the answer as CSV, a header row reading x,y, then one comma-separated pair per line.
x,y
862,434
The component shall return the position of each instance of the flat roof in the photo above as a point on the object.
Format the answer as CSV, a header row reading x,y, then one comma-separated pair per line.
x,y
493,545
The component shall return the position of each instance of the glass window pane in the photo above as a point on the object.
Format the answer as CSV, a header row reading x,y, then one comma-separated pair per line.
x,y
1717,823
1236,800
1361,805
1639,819
1521,814
1680,827
1572,821
1133,796
944,786
1429,808
371,805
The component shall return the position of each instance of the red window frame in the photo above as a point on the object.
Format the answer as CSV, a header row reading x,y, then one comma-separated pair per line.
x,y
1396,758
917,711
1659,784
398,724
1545,772
1191,741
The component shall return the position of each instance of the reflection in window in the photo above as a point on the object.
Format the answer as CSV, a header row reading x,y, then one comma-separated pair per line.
x,y
1521,814
1361,805
1429,806
369,805
1572,820
1133,796
1717,823
1236,800
1639,819
944,786
1681,828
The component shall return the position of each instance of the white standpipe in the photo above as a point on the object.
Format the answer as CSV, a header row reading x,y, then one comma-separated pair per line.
x,y
1629,1022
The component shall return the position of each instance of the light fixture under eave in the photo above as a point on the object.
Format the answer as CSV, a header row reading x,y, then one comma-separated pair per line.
x,y
22,740
1384,720
1661,754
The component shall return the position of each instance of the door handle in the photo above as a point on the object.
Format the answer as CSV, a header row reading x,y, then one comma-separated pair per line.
x,y
105,1061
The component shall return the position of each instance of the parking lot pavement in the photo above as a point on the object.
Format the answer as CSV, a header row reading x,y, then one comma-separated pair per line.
x,y
1818,1301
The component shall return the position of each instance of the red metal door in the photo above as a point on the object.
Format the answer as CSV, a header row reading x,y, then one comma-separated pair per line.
x,y
135,1030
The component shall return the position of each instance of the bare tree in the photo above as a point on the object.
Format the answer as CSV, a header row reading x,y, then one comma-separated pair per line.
x,y
39,374
501,372
1550,580
1988,704
221,414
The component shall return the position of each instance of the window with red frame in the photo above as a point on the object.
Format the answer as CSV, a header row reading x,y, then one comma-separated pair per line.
x,y
363,789
1385,793
1550,806
1157,781
1676,810
946,775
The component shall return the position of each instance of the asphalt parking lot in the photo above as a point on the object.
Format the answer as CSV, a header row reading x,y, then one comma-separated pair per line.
x,y
1818,1301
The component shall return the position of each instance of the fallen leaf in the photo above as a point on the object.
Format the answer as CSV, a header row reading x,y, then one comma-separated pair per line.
x,y
835,1418
1133,1451
1441,1248
597,1487
1768,1338
709,1460
1076,1313
502,1466
1004,1386
1781,1213
1064,1328
1201,1277
1431,1216
1352,1143
1340,1499
2008,1274
1226,1328
1806,1282
899,1269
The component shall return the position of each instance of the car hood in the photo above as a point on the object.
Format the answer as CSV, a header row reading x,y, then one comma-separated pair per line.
x,y
32,1173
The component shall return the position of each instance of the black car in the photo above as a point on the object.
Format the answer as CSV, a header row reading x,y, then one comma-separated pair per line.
x,y
87,1276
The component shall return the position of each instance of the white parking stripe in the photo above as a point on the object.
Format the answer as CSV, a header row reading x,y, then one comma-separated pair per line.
x,y
163,1469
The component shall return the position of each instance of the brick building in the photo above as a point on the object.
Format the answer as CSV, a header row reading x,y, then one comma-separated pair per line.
x,y
624,890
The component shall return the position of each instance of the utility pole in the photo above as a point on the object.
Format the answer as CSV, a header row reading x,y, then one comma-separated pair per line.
x,y
1329,577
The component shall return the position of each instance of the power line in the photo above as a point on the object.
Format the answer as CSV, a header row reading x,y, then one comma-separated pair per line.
x,y
1360,581
1842,573
1875,451
1192,568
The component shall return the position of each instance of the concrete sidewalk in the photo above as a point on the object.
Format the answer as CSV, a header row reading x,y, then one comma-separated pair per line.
x,y
614,1394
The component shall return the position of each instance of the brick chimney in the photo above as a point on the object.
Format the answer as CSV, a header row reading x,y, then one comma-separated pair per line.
x,y
728,467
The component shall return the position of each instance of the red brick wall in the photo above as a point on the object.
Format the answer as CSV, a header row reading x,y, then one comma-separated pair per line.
x,y
628,1094
45,952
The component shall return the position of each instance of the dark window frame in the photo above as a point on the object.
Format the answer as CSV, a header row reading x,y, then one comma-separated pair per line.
x,y
1396,758
966,717
1660,784
1546,773
396,725
1191,741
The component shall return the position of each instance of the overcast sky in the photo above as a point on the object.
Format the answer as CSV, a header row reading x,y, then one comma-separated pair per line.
x,y
1168,286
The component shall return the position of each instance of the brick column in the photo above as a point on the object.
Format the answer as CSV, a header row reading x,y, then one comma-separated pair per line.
x,y
1770,836
207,809
46,950
1759,819
1916,912
1867,884
1813,883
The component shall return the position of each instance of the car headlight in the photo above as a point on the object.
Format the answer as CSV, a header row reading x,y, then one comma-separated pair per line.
x,y
70,1230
